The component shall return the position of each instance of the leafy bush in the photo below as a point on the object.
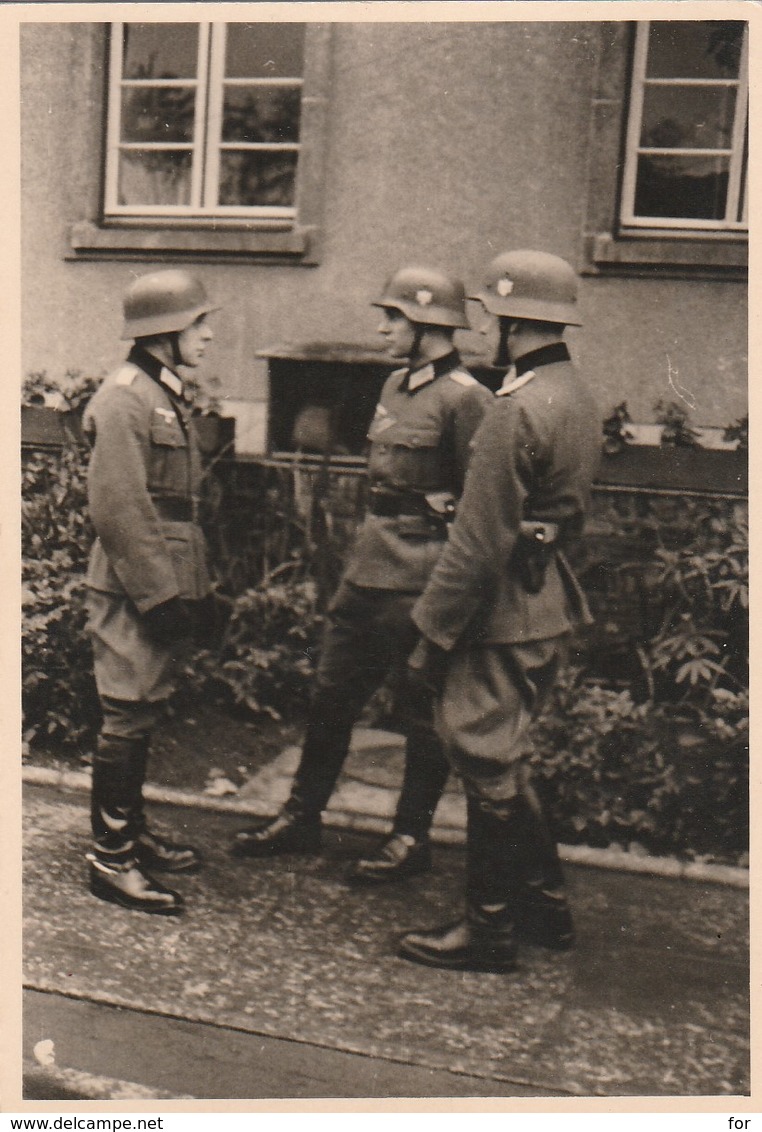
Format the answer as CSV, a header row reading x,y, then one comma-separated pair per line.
x,y
264,660
668,770
617,772
58,691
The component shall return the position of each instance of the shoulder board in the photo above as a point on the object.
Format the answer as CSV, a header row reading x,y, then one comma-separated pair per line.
x,y
517,383
126,375
462,377
399,372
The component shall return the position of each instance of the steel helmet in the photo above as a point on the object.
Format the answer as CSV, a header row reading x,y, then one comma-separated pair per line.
x,y
426,297
532,285
162,302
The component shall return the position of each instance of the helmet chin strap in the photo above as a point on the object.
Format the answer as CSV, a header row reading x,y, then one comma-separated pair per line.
x,y
415,350
503,357
177,358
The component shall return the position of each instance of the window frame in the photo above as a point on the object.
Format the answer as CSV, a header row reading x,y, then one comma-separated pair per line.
x,y
608,247
256,236
633,147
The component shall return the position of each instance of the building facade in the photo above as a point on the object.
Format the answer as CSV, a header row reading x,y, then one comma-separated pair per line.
x,y
295,166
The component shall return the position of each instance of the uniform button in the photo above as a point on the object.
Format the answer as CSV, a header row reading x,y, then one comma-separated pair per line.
x,y
415,442
383,447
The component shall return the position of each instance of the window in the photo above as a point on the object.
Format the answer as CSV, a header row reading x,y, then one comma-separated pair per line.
x,y
214,141
203,122
687,138
669,150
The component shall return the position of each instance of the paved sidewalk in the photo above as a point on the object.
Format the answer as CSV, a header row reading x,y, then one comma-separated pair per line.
x,y
654,1000
365,800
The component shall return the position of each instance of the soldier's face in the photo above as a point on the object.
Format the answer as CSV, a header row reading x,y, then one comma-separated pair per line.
x,y
489,327
398,332
193,341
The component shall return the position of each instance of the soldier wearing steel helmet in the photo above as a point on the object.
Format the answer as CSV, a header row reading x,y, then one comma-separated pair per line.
x,y
419,447
147,575
498,610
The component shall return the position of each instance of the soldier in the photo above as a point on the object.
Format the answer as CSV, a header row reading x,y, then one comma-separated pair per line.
x,y
147,575
497,612
419,447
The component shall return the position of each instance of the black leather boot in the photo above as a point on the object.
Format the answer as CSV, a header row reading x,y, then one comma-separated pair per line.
x,y
288,832
127,885
115,808
544,917
407,852
399,857
159,855
297,828
485,939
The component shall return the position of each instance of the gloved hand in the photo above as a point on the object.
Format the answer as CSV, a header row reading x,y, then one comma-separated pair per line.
x,y
427,667
168,622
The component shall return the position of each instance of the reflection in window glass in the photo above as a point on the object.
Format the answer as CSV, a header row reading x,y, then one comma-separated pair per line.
x,y
688,117
256,178
686,187
265,51
160,51
265,114
154,177
158,114
696,49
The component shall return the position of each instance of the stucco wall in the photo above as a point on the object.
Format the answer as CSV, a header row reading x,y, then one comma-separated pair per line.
x,y
446,144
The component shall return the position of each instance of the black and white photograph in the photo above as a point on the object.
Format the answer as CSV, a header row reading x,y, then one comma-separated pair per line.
x,y
384,682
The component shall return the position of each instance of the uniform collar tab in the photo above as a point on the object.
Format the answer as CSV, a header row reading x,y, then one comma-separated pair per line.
x,y
157,371
543,356
512,381
415,378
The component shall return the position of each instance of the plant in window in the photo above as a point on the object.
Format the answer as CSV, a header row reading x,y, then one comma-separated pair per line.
x,y
616,434
69,394
738,433
676,430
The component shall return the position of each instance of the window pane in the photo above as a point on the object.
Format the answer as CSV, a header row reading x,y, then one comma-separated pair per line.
x,y
257,179
160,51
688,117
701,49
265,51
158,114
150,177
264,114
693,188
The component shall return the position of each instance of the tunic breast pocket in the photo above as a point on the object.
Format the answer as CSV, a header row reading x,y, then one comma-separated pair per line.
x,y
412,457
168,469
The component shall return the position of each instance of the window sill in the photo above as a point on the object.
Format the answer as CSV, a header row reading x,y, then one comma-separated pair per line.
x,y
89,241
707,256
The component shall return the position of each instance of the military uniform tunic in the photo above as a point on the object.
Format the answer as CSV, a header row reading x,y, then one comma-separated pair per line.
x,y
144,484
420,441
535,456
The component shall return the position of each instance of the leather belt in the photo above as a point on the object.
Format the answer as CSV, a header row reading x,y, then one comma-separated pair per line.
x,y
389,505
174,510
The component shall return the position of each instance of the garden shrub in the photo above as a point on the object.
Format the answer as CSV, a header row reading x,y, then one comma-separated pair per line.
x,y
59,700
667,779
264,660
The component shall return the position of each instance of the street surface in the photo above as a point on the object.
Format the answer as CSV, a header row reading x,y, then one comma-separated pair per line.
x,y
281,981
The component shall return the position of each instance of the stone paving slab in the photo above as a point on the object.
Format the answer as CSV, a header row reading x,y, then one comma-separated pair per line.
x,y
654,1000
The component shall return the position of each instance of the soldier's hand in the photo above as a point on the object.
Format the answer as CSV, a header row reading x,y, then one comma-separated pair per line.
x,y
168,622
427,667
